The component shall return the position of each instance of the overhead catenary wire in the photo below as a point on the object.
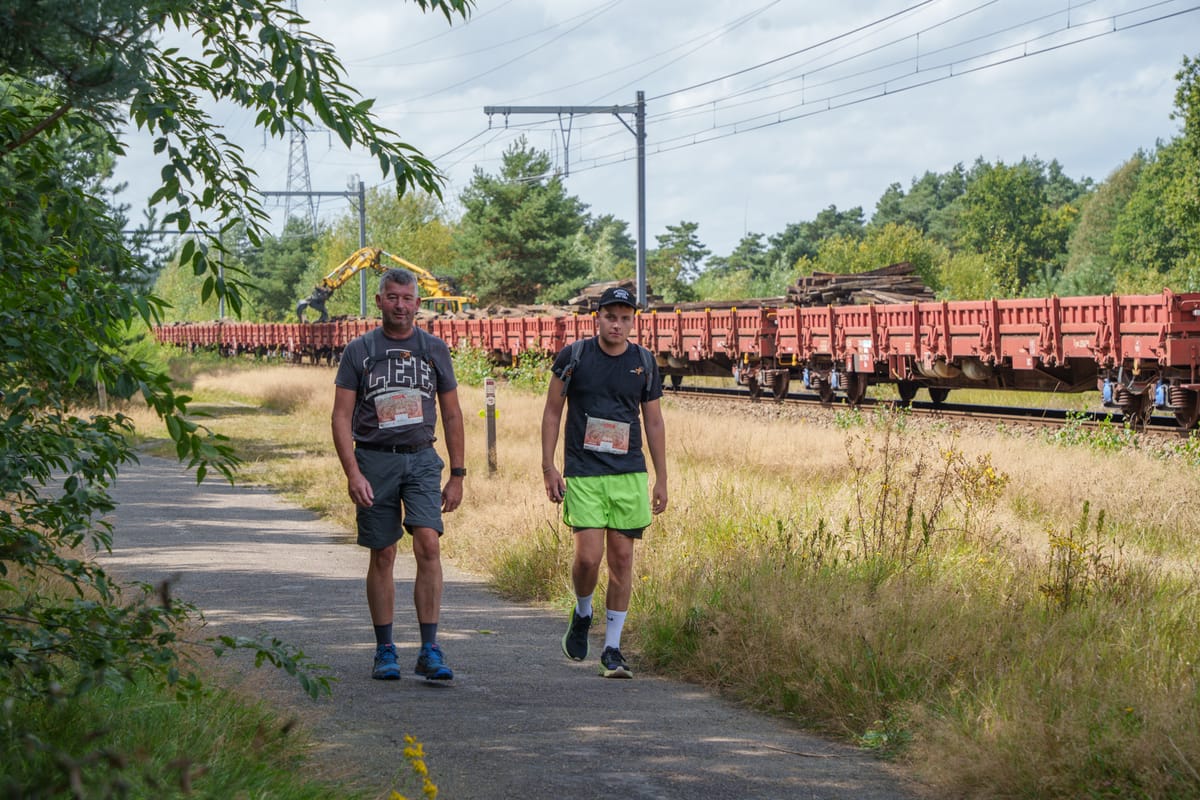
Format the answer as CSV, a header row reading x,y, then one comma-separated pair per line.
x,y
878,89
594,15
837,91
708,105
474,18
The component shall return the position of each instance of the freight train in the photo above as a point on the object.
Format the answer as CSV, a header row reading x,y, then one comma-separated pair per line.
x,y
1142,352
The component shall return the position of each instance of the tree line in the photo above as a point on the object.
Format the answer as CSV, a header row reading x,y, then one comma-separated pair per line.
x,y
74,349
986,230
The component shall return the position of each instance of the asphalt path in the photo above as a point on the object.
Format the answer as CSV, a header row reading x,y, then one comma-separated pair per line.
x,y
518,721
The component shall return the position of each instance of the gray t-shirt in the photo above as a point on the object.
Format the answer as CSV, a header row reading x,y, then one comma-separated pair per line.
x,y
397,402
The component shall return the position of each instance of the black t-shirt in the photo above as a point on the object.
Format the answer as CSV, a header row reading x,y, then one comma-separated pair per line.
x,y
603,433
397,405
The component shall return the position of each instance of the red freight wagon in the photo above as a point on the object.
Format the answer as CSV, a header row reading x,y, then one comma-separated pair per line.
x,y
1141,351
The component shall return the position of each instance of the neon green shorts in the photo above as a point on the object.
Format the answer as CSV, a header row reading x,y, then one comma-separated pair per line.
x,y
617,502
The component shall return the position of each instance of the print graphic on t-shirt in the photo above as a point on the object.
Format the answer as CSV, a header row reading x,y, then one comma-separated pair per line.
x,y
606,436
400,368
401,407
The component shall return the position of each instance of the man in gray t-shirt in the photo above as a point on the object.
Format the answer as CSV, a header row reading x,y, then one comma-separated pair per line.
x,y
391,383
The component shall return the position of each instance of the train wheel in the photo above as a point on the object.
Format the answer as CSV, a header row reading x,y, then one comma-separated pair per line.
x,y
1137,409
907,390
755,389
780,389
676,381
824,391
938,394
1189,414
856,388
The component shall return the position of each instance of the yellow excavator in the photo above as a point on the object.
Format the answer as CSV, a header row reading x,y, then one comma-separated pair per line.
x,y
437,294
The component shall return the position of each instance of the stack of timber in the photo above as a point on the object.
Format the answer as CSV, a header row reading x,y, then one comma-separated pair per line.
x,y
719,305
585,302
497,312
896,283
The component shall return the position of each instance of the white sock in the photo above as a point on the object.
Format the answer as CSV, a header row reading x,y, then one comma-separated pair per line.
x,y
583,606
614,622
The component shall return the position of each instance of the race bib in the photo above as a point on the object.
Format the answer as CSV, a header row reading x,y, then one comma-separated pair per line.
x,y
606,436
398,408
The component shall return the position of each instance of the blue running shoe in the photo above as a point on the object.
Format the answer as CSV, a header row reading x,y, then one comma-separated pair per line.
x,y
432,665
386,667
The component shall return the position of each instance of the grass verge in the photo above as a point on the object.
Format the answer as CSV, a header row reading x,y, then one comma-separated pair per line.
x,y
1010,615
139,740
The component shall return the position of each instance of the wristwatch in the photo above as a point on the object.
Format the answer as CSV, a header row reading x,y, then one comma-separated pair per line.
x,y
458,472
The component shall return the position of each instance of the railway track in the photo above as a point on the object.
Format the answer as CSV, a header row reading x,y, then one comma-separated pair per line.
x,y
1157,425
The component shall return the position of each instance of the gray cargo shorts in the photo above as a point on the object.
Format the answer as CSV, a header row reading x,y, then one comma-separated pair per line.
x,y
408,494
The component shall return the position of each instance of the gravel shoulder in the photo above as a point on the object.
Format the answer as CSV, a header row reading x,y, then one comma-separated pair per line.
x,y
518,721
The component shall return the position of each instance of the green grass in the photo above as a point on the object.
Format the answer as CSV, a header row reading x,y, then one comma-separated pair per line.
x,y
139,741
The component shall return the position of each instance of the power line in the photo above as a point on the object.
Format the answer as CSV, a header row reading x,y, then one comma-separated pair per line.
x,y
737,23
709,36
454,29
607,7
858,94
786,56
489,48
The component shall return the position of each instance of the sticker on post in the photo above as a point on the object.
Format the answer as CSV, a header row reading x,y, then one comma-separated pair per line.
x,y
606,436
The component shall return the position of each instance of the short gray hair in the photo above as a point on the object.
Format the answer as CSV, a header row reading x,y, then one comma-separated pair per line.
x,y
398,276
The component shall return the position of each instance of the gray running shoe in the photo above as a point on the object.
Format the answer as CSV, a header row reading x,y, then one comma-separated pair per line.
x,y
612,664
575,640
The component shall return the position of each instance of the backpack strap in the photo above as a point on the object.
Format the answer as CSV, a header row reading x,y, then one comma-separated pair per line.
x,y
648,365
373,339
647,357
576,353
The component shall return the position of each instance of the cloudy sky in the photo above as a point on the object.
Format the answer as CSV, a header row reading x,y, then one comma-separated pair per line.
x,y
758,112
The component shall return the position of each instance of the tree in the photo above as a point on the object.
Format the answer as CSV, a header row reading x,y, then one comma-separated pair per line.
x,y
803,239
1157,237
881,246
675,263
610,252
968,276
275,270
747,272
1007,215
926,204
516,241
73,74
1091,267
412,226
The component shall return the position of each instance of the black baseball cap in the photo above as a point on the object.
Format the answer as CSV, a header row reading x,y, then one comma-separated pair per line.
x,y
617,294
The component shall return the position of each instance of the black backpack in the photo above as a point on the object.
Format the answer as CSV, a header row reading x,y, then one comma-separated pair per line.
x,y
373,339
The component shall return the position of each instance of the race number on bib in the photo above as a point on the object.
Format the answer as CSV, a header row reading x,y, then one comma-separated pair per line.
x,y
398,408
606,436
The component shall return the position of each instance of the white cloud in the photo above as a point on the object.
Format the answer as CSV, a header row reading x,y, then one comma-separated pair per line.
x,y
1090,105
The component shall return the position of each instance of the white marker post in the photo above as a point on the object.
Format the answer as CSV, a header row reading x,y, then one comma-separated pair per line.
x,y
489,401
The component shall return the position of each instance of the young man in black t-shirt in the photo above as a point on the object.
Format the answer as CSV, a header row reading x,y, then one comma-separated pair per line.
x,y
611,394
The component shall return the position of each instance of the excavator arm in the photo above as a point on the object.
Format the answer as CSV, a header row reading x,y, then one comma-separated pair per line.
x,y
436,294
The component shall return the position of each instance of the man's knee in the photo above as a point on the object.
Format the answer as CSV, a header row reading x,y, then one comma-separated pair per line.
x,y
383,557
427,545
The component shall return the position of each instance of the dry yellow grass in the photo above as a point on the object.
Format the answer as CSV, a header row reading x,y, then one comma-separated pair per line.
x,y
956,651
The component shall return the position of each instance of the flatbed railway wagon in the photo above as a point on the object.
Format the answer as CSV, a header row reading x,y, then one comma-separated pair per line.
x,y
1141,352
